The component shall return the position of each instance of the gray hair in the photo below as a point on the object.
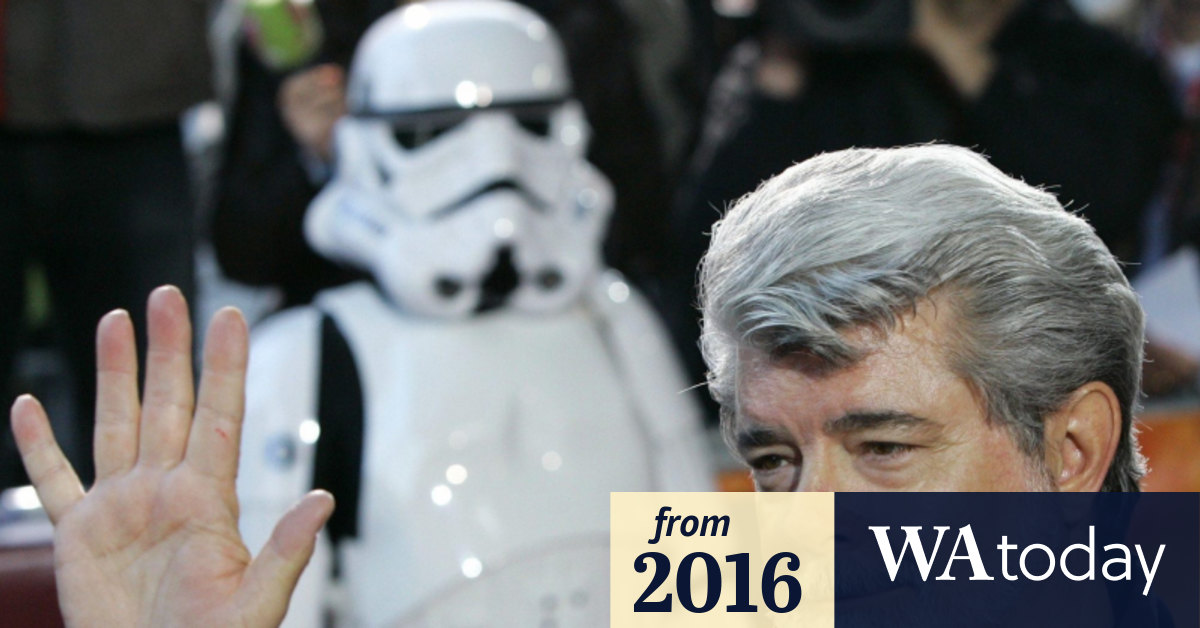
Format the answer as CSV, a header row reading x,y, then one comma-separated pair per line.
x,y
858,237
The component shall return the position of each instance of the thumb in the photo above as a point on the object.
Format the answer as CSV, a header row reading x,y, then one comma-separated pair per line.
x,y
272,575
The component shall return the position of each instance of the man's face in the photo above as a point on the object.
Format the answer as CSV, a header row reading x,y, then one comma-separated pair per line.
x,y
898,419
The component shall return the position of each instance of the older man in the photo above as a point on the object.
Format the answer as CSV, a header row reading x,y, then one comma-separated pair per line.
x,y
913,319
874,319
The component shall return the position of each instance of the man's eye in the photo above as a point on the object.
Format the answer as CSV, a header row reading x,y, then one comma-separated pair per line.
x,y
773,472
885,449
769,462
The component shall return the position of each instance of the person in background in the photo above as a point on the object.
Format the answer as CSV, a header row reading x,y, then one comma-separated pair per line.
x,y
490,338
95,187
1171,31
277,155
279,150
1049,98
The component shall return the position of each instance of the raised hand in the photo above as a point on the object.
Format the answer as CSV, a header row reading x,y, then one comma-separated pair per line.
x,y
310,102
155,541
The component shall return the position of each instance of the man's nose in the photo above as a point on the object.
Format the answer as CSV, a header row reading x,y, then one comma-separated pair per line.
x,y
819,475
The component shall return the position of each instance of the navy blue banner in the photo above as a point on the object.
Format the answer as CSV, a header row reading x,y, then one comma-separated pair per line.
x,y
1018,559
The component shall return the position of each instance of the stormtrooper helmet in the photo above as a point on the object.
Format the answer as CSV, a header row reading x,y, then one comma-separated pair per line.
x,y
460,179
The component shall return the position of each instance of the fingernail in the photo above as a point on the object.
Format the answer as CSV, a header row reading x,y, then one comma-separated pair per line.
x,y
115,314
166,293
326,495
23,399
231,311
159,293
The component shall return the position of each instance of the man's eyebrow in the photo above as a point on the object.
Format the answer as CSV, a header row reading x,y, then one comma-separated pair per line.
x,y
759,436
858,421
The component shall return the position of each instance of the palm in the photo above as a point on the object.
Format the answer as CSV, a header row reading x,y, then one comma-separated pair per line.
x,y
155,541
168,530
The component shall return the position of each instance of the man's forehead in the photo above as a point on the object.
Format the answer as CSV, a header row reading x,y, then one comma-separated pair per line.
x,y
926,333
899,371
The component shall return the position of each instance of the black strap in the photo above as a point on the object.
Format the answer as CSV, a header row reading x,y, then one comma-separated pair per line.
x,y
338,464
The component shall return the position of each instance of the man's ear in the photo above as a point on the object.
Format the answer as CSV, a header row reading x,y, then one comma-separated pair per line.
x,y
1081,438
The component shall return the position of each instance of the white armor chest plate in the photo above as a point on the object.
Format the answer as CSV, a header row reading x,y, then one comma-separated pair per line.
x,y
488,445
490,449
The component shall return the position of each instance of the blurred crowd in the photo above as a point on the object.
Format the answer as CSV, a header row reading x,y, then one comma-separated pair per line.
x,y
691,102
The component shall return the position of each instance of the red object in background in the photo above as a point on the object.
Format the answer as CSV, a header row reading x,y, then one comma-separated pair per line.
x,y
27,593
735,481
1171,442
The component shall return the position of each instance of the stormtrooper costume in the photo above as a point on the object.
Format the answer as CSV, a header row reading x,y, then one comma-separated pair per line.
x,y
494,382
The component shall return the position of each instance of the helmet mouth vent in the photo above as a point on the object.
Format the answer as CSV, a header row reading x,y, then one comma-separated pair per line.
x,y
500,282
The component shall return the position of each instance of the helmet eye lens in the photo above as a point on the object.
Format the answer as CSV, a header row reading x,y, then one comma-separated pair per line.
x,y
416,129
417,134
537,124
